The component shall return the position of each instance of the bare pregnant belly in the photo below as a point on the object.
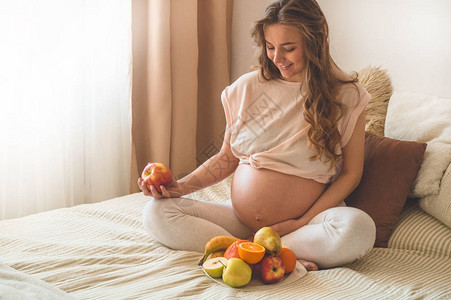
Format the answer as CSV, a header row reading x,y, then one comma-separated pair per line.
x,y
262,197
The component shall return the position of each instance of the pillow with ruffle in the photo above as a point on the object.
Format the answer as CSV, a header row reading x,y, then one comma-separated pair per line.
x,y
378,84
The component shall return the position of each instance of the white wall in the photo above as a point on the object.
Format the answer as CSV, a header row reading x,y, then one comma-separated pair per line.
x,y
409,38
245,12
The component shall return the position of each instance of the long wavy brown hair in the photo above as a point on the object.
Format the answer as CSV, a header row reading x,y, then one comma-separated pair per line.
x,y
321,76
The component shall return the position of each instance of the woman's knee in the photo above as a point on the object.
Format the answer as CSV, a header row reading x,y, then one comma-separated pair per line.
x,y
153,215
354,234
362,227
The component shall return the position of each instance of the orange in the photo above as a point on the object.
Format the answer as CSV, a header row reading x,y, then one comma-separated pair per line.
x,y
251,252
289,259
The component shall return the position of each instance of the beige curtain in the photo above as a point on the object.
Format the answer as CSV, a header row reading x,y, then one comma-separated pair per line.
x,y
181,63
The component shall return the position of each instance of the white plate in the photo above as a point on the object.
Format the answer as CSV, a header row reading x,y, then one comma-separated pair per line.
x,y
256,284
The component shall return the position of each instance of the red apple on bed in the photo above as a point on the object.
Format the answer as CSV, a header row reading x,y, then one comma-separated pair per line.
x,y
157,174
270,269
232,250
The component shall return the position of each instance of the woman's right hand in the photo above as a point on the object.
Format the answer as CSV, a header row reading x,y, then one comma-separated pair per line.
x,y
215,169
173,191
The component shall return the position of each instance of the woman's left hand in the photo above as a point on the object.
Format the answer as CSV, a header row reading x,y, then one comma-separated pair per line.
x,y
288,226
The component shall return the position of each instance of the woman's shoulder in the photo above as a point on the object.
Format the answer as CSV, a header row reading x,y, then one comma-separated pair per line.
x,y
247,78
351,93
244,84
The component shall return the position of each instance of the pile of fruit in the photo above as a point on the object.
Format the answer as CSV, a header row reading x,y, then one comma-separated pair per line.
x,y
237,261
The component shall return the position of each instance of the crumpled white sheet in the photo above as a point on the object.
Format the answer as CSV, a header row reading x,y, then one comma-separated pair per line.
x,y
18,285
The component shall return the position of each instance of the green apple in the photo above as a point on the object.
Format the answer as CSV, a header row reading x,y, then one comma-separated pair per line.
x,y
215,266
236,273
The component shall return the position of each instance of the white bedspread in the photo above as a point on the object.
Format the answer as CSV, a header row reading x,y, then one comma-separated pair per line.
x,y
101,251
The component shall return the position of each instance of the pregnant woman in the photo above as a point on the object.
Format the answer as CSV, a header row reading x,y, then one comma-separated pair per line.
x,y
294,140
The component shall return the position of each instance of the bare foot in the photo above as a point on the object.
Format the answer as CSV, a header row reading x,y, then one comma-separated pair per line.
x,y
310,266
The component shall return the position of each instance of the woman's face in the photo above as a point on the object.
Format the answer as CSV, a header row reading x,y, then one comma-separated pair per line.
x,y
285,48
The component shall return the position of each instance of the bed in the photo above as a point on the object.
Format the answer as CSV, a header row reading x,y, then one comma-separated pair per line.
x,y
101,251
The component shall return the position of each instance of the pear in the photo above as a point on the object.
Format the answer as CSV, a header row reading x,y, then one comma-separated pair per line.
x,y
215,266
270,239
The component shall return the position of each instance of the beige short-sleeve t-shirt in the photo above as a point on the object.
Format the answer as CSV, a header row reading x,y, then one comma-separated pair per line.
x,y
268,130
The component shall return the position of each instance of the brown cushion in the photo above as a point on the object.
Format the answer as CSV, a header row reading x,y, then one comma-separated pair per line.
x,y
389,170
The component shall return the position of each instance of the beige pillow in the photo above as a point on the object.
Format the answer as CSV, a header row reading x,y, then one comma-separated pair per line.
x,y
426,119
378,84
439,205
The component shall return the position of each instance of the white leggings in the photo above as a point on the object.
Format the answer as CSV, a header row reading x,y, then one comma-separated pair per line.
x,y
335,237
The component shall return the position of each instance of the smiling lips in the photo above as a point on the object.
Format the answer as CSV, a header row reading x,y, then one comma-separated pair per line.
x,y
284,68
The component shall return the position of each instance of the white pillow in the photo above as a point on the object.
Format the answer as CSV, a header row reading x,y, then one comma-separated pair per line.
x,y
439,205
422,118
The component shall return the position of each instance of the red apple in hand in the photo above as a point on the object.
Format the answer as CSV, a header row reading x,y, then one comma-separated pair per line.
x,y
270,269
157,174
232,250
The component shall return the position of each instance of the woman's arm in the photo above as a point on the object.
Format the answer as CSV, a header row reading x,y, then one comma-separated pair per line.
x,y
210,172
342,187
213,170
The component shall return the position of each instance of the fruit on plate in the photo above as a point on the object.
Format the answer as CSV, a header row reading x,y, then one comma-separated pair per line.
x,y
236,273
289,259
270,239
157,174
220,242
232,250
215,266
270,269
251,252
